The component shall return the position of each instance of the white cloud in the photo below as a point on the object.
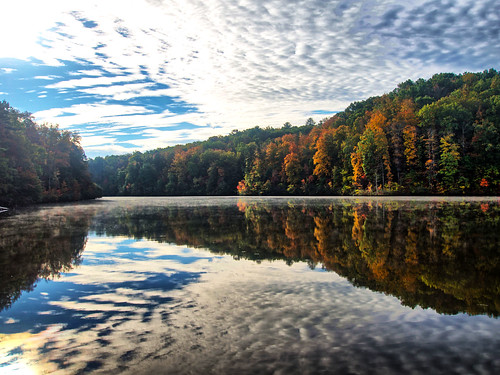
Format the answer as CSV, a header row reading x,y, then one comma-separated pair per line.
x,y
47,78
97,140
125,92
105,149
7,70
112,117
89,72
88,113
92,81
151,129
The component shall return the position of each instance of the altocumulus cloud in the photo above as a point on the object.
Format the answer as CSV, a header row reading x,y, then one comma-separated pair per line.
x,y
190,69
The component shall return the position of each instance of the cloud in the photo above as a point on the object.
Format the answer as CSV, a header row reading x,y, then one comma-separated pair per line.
x,y
87,72
122,128
89,113
245,63
126,91
454,35
92,82
47,78
7,70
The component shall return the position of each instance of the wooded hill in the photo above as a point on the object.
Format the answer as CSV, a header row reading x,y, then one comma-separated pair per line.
x,y
40,163
436,136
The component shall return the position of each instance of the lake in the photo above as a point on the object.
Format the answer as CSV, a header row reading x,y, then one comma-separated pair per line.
x,y
252,286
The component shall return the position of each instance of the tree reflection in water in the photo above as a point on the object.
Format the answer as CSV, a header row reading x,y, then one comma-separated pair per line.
x,y
437,254
39,244
434,254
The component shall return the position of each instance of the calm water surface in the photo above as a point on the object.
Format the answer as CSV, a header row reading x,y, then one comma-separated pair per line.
x,y
252,285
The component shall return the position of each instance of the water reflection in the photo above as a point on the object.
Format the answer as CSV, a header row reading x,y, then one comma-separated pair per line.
x,y
438,254
38,246
158,289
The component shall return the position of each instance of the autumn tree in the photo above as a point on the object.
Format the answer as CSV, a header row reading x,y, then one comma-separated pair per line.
x,y
450,158
293,171
373,148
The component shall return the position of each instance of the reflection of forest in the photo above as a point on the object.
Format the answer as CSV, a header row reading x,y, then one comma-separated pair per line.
x,y
36,246
434,254
431,254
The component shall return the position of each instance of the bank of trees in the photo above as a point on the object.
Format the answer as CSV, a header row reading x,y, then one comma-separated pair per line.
x,y
212,167
40,163
436,136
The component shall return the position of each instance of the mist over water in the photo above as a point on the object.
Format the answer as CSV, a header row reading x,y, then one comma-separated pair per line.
x,y
252,285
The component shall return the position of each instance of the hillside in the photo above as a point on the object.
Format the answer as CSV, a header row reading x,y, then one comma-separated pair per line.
x,y
436,136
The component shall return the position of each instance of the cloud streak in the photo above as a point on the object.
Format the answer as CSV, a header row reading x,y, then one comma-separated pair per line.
x,y
238,64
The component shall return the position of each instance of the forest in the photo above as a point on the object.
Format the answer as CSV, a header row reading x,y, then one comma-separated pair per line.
x,y
435,136
40,163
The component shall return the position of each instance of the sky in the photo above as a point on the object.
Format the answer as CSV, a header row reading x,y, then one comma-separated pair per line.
x,y
142,74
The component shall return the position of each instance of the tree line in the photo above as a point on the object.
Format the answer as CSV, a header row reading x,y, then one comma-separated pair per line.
x,y
40,163
435,136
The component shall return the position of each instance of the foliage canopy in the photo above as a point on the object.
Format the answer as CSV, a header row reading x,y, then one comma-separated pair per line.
x,y
40,163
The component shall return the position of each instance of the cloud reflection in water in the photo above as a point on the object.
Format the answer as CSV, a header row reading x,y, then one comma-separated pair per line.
x,y
144,311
